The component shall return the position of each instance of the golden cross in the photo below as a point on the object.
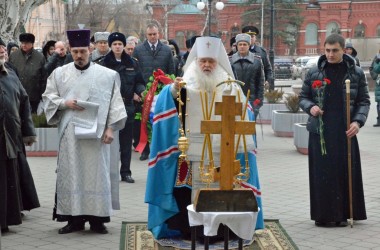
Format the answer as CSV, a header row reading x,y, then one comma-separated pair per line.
x,y
208,44
227,127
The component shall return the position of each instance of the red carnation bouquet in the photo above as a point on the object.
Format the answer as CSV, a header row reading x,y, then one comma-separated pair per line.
x,y
320,86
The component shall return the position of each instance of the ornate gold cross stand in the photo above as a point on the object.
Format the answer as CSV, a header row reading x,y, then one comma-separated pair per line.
x,y
227,199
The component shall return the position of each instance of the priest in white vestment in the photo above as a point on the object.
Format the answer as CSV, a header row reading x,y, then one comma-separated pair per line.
x,y
83,99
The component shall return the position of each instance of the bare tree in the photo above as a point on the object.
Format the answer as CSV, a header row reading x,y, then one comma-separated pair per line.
x,y
13,16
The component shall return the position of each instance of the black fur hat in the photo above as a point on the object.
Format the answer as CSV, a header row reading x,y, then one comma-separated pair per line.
x,y
116,36
27,37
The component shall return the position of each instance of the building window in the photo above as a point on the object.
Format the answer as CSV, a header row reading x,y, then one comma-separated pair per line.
x,y
359,31
311,35
332,28
180,39
378,31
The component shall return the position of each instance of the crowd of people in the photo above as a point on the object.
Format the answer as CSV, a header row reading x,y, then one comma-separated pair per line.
x,y
93,96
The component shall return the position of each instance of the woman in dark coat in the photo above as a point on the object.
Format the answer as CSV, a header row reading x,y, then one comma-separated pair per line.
x,y
329,200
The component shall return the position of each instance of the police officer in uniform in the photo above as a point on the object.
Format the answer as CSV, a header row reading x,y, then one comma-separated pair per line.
x,y
259,51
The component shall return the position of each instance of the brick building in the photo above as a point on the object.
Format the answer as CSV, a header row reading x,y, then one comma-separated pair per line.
x,y
356,20
47,22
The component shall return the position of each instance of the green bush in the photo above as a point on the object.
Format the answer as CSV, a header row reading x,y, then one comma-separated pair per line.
x,y
40,121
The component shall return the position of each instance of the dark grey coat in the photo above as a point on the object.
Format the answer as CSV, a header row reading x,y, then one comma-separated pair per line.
x,y
53,62
17,190
250,71
162,58
30,69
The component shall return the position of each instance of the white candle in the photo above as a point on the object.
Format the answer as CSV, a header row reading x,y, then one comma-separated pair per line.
x,y
347,86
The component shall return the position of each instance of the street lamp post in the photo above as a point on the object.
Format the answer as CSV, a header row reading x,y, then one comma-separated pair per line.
x,y
262,23
201,5
271,51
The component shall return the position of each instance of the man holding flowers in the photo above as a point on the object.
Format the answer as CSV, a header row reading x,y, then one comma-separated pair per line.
x,y
323,98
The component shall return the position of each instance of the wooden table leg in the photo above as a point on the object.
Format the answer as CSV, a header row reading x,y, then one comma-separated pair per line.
x,y
226,237
193,237
206,242
240,244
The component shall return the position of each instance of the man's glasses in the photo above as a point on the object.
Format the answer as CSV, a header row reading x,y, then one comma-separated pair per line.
x,y
152,34
332,50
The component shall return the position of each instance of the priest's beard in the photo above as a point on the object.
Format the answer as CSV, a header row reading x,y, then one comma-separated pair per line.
x,y
197,79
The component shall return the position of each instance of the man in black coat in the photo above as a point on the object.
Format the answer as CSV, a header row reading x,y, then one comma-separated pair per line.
x,y
248,69
17,190
29,64
153,55
323,97
260,51
131,82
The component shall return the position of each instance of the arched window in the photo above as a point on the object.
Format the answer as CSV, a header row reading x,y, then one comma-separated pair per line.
x,y
311,35
332,28
359,30
378,31
180,39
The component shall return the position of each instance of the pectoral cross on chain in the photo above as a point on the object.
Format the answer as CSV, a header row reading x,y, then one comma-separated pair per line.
x,y
227,127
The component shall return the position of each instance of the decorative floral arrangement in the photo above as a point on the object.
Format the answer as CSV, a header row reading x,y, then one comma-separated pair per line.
x,y
292,103
273,96
156,83
320,86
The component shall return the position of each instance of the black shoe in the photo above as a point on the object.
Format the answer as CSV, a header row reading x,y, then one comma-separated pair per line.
x,y
128,179
98,228
5,230
341,224
321,224
144,157
71,227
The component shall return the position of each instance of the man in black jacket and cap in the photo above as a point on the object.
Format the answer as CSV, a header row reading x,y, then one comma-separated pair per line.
x,y
132,82
17,190
260,51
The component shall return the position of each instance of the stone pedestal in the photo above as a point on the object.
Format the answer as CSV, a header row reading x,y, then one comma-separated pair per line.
x,y
283,121
301,138
265,116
